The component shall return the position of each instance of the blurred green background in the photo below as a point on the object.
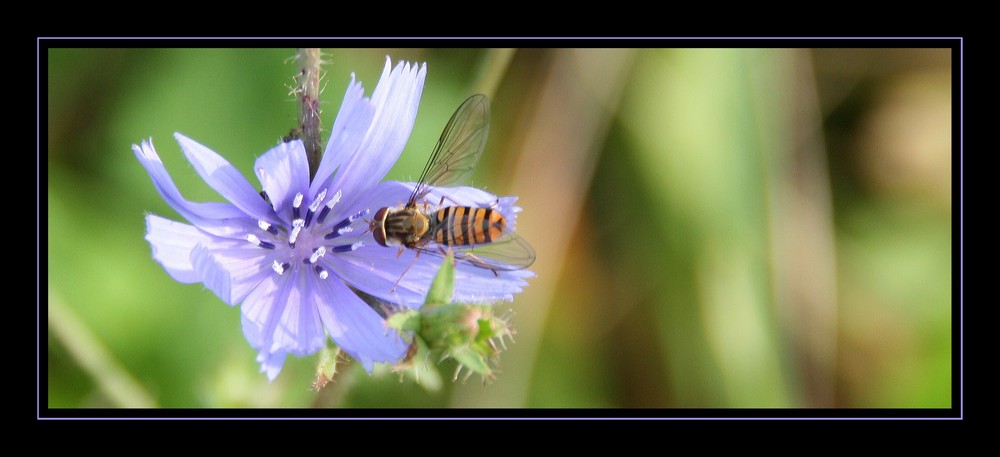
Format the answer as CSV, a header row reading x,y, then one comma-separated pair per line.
x,y
714,227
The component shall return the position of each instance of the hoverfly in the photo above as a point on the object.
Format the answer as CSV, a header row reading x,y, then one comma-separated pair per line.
x,y
478,236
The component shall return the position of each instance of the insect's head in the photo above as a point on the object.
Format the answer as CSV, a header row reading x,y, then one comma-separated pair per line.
x,y
377,226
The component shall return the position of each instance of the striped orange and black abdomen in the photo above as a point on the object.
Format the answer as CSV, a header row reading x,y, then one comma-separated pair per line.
x,y
466,226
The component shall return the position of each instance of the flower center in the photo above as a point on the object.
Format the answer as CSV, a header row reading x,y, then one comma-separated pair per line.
x,y
304,238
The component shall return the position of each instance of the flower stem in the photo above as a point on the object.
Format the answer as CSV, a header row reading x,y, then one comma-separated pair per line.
x,y
308,92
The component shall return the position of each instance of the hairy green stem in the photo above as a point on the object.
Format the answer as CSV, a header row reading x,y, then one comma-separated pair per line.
x,y
309,60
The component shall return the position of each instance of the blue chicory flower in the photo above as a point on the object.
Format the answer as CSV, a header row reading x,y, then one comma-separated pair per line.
x,y
292,261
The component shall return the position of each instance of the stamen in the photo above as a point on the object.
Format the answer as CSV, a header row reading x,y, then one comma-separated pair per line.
x,y
349,247
296,203
318,201
309,217
339,229
257,241
264,225
329,206
297,225
360,214
314,206
321,272
317,254
279,268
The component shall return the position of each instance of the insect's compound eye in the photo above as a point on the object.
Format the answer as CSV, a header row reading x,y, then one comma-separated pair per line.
x,y
379,235
379,218
378,226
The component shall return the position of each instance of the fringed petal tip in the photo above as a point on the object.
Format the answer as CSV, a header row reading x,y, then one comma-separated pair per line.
x,y
145,150
271,363
395,101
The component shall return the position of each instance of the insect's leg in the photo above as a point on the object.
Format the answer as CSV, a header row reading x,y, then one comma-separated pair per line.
x,y
480,263
445,197
445,252
415,257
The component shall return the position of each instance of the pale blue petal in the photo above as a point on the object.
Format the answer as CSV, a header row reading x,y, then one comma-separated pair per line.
x,y
280,317
283,172
246,267
261,310
355,326
395,193
460,196
220,175
259,313
349,129
172,243
375,270
509,210
210,217
299,330
232,269
215,278
479,285
256,310
396,99
385,194
271,363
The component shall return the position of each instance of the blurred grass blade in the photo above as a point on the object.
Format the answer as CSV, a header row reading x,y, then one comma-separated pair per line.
x,y
696,120
800,220
566,119
492,70
115,382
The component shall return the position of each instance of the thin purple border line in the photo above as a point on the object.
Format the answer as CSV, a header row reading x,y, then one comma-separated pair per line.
x,y
961,216
961,49
509,38
38,227
961,211
511,418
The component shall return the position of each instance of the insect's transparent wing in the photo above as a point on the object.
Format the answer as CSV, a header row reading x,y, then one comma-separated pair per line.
x,y
508,253
459,147
384,308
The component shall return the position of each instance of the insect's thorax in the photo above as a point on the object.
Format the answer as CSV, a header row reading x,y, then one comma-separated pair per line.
x,y
406,226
